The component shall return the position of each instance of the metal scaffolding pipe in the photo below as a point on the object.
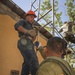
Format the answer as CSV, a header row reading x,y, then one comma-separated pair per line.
x,y
35,8
53,16
38,9
47,24
52,8
32,4
44,14
39,13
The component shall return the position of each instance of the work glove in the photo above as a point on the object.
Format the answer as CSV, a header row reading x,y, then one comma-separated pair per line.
x,y
37,27
31,32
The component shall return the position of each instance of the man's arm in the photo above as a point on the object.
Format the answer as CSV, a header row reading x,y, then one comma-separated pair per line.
x,y
61,28
21,29
31,32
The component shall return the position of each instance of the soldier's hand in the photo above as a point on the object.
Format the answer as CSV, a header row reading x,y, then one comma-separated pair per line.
x,y
42,52
40,48
31,32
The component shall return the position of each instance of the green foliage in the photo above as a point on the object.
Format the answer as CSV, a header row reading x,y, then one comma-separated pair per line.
x,y
57,15
48,29
70,9
46,5
56,6
69,58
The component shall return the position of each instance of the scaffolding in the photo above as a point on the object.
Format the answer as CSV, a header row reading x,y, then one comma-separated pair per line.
x,y
50,23
42,16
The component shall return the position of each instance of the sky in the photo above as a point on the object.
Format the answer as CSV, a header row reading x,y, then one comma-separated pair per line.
x,y
26,5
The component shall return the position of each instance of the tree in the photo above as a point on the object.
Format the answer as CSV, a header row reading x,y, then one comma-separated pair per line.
x,y
45,6
57,15
70,9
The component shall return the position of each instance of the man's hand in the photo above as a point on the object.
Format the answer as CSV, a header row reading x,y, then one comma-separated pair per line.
x,y
60,30
37,27
31,32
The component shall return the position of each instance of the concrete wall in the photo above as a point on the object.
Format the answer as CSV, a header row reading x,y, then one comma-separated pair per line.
x,y
10,57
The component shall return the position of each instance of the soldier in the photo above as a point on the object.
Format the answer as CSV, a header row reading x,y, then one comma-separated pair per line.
x,y
54,64
25,44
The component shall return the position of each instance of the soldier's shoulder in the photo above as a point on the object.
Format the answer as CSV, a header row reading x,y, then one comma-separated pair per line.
x,y
50,68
